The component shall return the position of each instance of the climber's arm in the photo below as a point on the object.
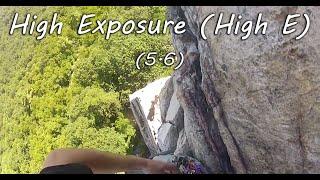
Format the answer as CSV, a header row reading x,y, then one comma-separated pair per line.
x,y
105,162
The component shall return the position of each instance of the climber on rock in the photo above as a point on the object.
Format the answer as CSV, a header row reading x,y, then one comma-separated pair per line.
x,y
87,161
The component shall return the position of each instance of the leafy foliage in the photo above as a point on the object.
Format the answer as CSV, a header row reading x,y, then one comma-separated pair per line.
x,y
69,90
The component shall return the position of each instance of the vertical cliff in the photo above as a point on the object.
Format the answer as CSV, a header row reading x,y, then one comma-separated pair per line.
x,y
239,106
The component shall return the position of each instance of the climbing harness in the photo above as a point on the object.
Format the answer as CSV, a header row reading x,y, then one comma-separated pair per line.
x,y
188,165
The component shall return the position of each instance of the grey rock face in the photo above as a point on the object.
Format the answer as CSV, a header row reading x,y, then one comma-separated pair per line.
x,y
146,110
165,98
183,148
256,101
249,106
164,158
167,137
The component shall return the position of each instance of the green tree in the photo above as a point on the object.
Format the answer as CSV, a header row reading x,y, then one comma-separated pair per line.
x,y
69,90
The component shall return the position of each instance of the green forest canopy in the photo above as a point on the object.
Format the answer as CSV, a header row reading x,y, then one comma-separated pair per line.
x,y
69,90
